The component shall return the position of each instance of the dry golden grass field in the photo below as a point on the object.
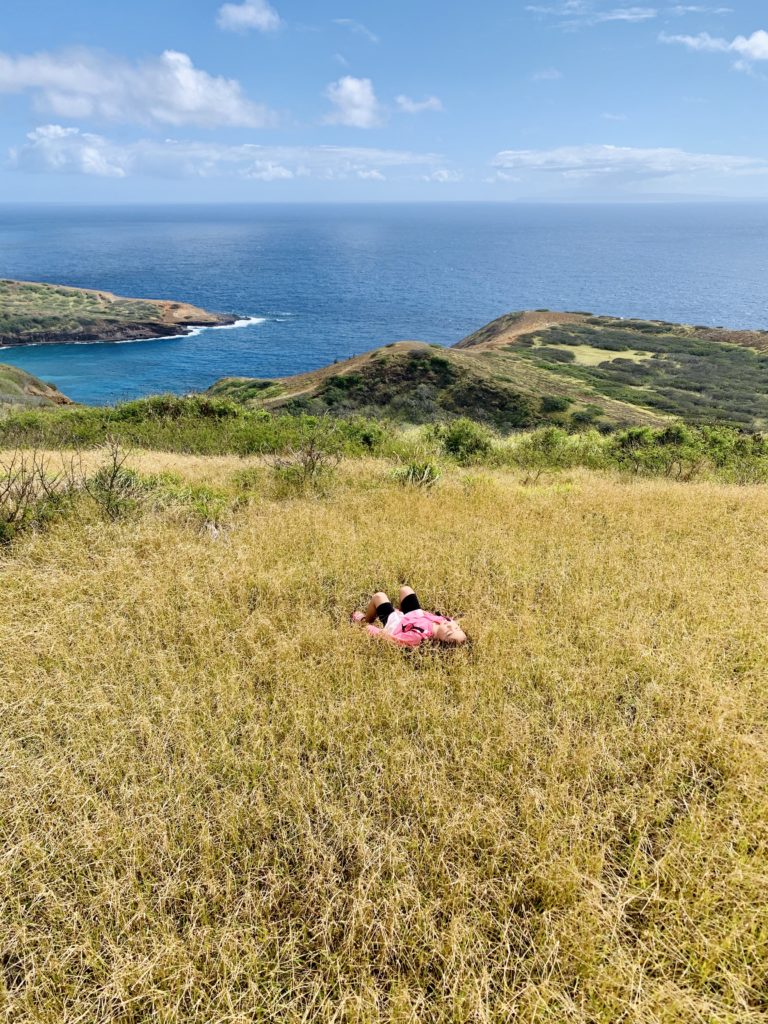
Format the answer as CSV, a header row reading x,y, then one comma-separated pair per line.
x,y
220,803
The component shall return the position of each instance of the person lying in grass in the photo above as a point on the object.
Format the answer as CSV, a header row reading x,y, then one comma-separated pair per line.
x,y
409,625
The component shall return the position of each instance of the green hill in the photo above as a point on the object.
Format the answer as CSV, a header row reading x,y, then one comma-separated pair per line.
x,y
530,368
699,374
417,383
20,388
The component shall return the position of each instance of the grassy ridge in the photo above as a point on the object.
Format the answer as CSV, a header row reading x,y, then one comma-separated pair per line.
x,y
221,802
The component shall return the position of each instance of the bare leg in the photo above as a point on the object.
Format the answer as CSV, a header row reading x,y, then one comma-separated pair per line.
x,y
404,592
378,598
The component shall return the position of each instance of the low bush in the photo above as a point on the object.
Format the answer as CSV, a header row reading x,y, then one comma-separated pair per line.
x,y
32,492
309,463
425,473
676,451
203,425
546,449
555,403
114,487
464,440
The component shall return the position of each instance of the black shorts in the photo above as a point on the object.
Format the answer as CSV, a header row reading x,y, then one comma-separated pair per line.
x,y
410,603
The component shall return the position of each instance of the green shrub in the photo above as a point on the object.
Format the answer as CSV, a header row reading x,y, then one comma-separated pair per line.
x,y
587,416
197,425
114,487
555,355
424,474
555,403
546,449
675,450
199,504
465,440
310,461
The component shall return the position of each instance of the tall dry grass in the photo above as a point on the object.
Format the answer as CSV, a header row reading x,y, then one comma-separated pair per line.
x,y
220,802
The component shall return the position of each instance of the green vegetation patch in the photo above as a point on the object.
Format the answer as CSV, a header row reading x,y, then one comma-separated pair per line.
x,y
422,386
33,309
200,425
246,390
661,366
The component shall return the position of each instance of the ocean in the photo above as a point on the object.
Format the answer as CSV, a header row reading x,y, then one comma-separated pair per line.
x,y
316,283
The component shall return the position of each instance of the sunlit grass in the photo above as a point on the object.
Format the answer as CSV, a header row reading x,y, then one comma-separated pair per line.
x,y
589,355
221,802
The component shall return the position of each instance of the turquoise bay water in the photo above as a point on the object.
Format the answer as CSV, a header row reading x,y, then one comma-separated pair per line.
x,y
324,282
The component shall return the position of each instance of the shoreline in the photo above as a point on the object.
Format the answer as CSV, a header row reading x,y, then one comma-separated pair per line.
x,y
190,331
121,334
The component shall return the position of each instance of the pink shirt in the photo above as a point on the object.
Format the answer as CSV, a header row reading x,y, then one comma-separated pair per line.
x,y
409,629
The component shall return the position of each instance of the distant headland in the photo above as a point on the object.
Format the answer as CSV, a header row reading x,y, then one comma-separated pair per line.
x,y
47,314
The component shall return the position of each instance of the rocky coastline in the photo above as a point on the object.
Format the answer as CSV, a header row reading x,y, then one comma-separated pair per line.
x,y
113,333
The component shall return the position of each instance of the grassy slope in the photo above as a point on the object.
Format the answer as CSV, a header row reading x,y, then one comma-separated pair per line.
x,y
221,802
419,383
31,312
697,373
507,374
18,388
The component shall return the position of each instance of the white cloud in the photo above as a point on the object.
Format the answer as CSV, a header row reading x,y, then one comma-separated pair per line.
x,y
679,10
624,163
167,89
748,48
502,176
56,149
546,75
355,102
614,117
68,150
250,14
443,176
358,28
409,106
576,13
267,170
631,14
703,41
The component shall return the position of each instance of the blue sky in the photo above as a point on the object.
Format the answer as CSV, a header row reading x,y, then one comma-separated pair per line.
x,y
260,100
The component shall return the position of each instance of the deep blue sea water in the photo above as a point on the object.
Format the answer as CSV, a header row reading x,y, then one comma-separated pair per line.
x,y
330,281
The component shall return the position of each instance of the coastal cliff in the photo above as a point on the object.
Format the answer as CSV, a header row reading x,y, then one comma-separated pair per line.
x,y
17,387
45,314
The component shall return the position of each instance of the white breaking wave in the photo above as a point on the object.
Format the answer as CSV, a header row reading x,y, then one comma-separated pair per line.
x,y
192,332
239,323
